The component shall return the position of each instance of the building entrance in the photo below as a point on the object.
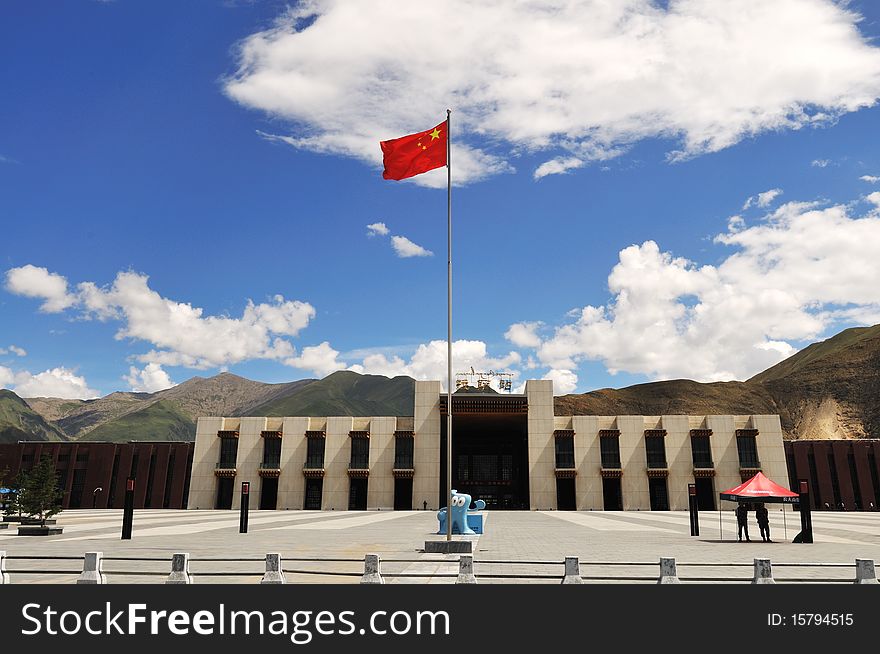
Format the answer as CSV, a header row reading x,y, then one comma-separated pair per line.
x,y
490,458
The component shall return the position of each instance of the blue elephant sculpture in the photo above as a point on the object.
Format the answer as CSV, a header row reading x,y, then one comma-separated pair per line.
x,y
460,506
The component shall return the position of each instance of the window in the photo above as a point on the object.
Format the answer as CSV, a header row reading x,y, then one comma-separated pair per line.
x,y
609,448
82,457
814,479
111,496
186,478
701,450
564,452
315,454
655,447
76,489
360,453
875,478
835,482
228,452
747,448
271,453
151,475
403,453
169,476
854,477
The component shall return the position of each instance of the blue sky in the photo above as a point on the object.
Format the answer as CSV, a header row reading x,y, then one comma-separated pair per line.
x,y
642,192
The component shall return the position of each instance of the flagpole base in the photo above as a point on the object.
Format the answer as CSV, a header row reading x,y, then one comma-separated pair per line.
x,y
449,547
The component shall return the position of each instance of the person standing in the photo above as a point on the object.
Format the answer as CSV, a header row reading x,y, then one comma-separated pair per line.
x,y
742,516
763,517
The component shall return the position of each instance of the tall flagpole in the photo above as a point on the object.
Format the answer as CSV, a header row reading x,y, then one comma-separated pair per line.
x,y
448,329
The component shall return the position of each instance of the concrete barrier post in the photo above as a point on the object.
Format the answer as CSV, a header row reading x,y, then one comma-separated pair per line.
x,y
668,572
92,573
4,577
865,571
371,570
273,574
763,572
179,569
572,573
466,570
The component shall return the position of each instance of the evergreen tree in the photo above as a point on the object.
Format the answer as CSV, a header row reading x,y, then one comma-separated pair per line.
x,y
39,495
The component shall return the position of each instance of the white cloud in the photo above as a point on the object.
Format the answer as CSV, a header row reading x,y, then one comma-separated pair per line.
x,y
557,166
406,248
377,228
13,349
564,381
871,179
429,361
789,278
31,281
149,379
577,79
764,199
320,359
180,333
820,163
57,382
523,334
874,198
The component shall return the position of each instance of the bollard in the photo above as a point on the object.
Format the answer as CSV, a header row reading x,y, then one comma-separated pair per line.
x,y
92,574
668,574
371,570
179,569
274,574
572,571
865,572
466,570
4,577
763,573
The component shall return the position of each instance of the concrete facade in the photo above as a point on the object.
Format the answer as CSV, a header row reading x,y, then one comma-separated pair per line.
x,y
544,429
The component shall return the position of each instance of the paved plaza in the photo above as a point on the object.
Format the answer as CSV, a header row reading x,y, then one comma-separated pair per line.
x,y
524,541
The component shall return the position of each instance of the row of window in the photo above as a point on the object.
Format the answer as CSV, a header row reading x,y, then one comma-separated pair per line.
x,y
314,490
359,460
612,494
655,451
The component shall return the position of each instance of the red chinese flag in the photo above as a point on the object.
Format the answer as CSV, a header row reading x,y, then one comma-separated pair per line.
x,y
415,154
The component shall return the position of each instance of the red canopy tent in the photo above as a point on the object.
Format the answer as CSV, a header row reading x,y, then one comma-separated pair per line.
x,y
759,489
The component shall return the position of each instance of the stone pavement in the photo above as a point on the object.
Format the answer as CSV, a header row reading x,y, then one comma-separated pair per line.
x,y
535,542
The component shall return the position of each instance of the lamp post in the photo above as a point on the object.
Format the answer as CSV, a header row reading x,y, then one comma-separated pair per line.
x,y
95,497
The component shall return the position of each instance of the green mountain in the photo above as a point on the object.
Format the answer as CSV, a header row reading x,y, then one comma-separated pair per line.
x,y
222,395
346,393
161,421
18,422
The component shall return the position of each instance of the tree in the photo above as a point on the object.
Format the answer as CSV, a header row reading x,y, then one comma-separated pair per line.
x,y
39,495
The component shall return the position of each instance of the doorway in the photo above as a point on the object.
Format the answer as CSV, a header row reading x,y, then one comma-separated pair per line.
x,y
612,495
225,487
269,493
565,494
357,494
403,494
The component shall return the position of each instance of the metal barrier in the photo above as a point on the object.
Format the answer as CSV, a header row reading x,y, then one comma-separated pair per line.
x,y
462,569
